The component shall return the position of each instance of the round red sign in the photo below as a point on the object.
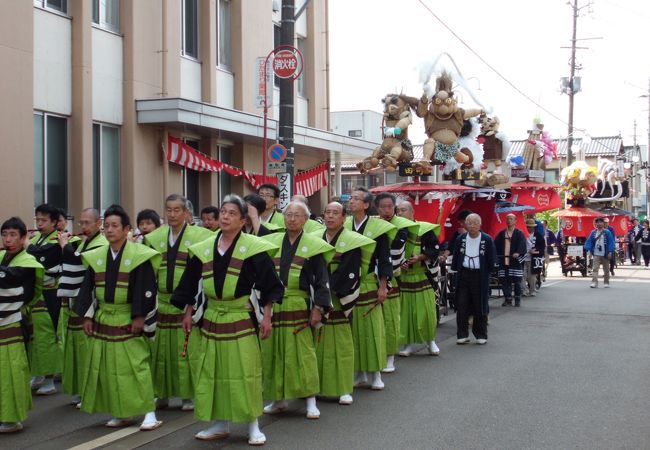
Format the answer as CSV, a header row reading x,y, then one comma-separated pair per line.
x,y
285,64
568,224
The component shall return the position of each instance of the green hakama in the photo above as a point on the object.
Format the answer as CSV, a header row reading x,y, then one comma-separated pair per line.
x,y
75,350
335,354
368,329
118,376
418,321
44,350
391,309
289,355
172,374
228,366
15,393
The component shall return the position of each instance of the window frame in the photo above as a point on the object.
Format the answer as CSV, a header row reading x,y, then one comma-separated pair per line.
x,y
224,155
44,4
301,86
184,52
224,66
101,19
98,179
44,158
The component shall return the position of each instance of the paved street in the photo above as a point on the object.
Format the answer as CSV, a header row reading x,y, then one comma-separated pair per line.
x,y
569,369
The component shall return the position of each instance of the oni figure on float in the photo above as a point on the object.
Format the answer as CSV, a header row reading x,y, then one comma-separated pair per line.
x,y
443,121
395,146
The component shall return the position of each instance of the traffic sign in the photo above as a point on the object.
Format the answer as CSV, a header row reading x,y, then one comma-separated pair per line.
x,y
277,153
275,168
285,63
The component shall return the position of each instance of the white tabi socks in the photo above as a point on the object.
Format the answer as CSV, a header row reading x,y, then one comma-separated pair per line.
x,y
220,429
312,411
150,422
275,407
390,364
255,436
345,399
377,384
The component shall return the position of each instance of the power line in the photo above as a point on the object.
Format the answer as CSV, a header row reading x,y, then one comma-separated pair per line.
x,y
523,94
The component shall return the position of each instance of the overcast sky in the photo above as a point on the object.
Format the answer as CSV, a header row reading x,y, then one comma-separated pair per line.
x,y
376,45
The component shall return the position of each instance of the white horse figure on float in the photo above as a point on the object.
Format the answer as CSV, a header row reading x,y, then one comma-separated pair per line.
x,y
608,176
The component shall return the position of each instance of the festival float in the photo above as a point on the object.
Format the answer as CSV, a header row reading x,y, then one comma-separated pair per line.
x,y
466,151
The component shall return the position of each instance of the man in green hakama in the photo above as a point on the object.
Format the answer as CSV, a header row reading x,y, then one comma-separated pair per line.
x,y
75,341
334,345
401,246
118,303
171,372
45,351
289,357
368,327
21,278
271,195
311,226
419,321
223,270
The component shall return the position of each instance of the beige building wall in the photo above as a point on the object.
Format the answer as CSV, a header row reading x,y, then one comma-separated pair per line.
x,y
152,68
16,114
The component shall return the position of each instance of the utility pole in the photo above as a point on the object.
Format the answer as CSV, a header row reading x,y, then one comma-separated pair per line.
x,y
571,90
647,171
285,123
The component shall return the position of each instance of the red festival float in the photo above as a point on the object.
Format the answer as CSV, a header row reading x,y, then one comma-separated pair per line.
x,y
432,202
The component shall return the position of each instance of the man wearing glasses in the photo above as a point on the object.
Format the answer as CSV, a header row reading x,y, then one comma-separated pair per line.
x,y
271,195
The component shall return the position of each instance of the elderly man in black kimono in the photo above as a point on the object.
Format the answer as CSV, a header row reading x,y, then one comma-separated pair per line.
x,y
474,259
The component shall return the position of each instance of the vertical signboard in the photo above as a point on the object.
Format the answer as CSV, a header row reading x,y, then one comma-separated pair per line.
x,y
259,83
284,183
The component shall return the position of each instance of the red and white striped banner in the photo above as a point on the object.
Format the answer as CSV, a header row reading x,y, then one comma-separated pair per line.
x,y
306,183
310,181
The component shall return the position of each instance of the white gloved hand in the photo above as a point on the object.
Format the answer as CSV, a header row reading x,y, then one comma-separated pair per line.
x,y
428,91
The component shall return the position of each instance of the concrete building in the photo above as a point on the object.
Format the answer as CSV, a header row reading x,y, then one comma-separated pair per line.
x,y
92,89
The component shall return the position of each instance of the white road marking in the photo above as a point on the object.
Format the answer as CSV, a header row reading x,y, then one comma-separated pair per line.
x,y
107,439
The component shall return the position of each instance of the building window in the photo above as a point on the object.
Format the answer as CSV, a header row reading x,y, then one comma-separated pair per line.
x,y
51,160
190,18
56,5
224,59
106,14
355,133
301,79
191,179
276,44
106,166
